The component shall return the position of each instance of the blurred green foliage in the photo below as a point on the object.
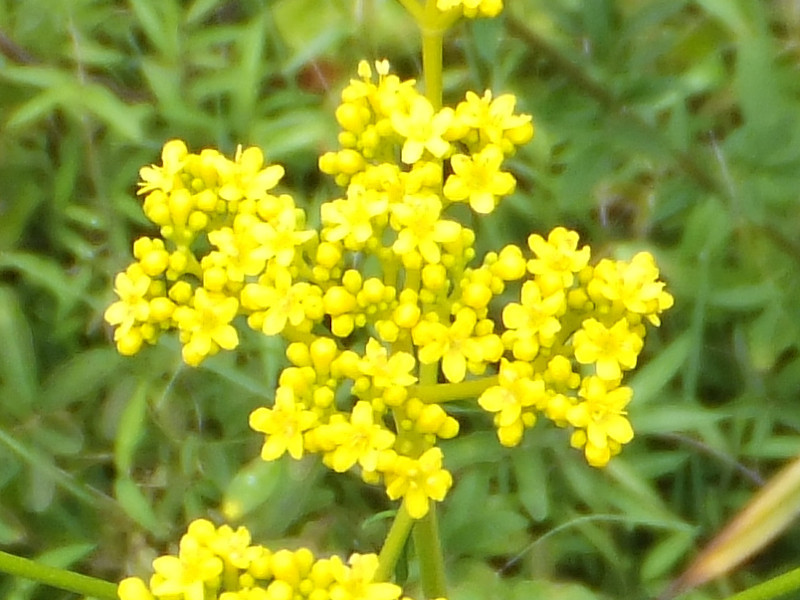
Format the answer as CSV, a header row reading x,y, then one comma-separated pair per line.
x,y
669,125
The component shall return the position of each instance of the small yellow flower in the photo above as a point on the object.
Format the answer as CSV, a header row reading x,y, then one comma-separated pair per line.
x,y
420,228
245,177
533,322
494,120
205,327
283,425
165,178
186,577
517,392
557,257
423,129
600,417
133,588
359,440
479,180
354,220
418,481
131,287
455,345
387,370
610,348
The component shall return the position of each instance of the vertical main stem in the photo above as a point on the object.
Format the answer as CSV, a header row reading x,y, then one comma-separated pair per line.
x,y
429,554
432,64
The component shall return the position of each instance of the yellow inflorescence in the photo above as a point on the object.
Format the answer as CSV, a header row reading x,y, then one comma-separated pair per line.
x,y
386,299
472,8
219,563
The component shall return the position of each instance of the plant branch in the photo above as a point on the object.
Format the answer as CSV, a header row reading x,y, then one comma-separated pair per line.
x,y
394,544
55,577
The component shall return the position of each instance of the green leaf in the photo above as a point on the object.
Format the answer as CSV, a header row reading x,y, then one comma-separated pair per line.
x,y
129,430
252,487
532,487
60,435
80,378
18,377
663,557
160,22
651,379
44,272
136,505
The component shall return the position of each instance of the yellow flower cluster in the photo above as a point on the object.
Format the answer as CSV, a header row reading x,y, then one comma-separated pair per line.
x,y
385,313
220,563
574,331
472,8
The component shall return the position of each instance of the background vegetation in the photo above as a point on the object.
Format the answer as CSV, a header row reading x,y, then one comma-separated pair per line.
x,y
670,125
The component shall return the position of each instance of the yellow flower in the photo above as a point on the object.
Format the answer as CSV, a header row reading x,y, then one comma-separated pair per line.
x,y
455,345
418,481
603,427
472,8
359,440
205,327
612,349
533,322
635,284
131,287
423,129
420,228
479,180
517,391
283,425
245,178
186,577
387,370
494,121
277,302
557,257
355,220
166,177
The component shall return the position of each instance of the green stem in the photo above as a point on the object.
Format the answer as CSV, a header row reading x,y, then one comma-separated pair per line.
x,y
58,578
414,8
432,39
394,544
434,393
429,554
777,586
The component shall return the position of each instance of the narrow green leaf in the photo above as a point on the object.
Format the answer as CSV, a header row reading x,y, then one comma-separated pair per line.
x,y
18,366
662,557
80,378
532,488
126,120
60,435
649,381
136,505
130,428
159,20
38,107
45,273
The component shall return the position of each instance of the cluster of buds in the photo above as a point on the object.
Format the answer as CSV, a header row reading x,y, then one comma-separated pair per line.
x,y
220,563
471,8
385,312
